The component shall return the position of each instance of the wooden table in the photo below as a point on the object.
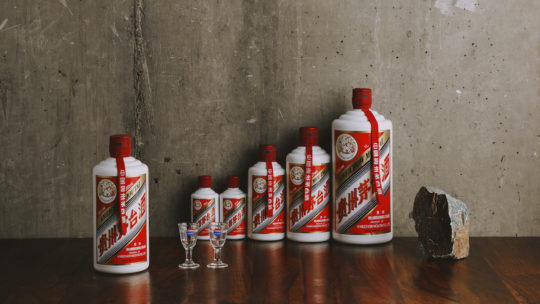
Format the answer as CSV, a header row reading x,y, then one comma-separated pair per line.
x,y
499,270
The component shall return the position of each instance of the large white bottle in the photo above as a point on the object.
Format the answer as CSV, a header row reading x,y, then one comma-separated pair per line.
x,y
121,194
232,209
204,208
359,215
266,201
308,217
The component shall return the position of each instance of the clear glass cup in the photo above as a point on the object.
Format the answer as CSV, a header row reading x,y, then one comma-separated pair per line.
x,y
188,236
218,235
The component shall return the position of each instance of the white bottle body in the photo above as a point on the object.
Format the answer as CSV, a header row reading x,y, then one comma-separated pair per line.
x,y
237,218
259,171
107,170
354,123
298,225
199,201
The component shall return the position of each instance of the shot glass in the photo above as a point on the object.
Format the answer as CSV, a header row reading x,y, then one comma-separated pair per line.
x,y
218,235
188,236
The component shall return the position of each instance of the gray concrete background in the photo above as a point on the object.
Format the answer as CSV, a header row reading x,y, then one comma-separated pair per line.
x,y
221,77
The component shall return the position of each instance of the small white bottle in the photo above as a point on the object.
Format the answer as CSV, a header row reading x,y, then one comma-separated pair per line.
x,y
308,221
204,206
264,223
358,216
121,248
232,209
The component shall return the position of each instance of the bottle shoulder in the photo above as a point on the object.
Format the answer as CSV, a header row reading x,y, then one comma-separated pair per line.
x,y
128,161
260,169
298,155
357,119
108,166
204,191
230,192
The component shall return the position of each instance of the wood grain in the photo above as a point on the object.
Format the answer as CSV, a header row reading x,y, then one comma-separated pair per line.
x,y
499,270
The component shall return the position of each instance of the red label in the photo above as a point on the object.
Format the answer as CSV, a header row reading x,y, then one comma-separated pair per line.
x,y
307,181
234,214
121,171
262,222
357,211
375,172
204,212
270,189
112,246
316,219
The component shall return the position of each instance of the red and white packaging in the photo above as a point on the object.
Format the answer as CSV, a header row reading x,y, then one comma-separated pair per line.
x,y
308,190
266,197
232,209
362,163
120,210
204,206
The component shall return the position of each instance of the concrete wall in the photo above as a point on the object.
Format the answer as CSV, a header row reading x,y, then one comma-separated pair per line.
x,y
208,81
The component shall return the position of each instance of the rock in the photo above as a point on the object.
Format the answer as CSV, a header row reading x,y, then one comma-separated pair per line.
x,y
442,224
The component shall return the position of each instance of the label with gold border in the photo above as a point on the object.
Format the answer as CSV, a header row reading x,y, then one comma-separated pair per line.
x,y
356,210
113,247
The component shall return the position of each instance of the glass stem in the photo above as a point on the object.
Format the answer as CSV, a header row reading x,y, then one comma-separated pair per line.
x,y
217,255
190,256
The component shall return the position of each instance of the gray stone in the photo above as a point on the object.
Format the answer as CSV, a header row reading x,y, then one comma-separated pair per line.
x,y
442,223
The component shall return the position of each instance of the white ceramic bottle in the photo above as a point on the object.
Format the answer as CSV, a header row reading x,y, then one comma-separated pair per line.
x,y
266,215
359,217
204,206
121,191
308,220
232,209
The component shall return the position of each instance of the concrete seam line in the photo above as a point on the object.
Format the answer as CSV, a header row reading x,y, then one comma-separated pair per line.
x,y
143,92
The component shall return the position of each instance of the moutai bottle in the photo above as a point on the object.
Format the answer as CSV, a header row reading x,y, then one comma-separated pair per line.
x,y
362,166
308,190
120,211
232,209
266,197
204,206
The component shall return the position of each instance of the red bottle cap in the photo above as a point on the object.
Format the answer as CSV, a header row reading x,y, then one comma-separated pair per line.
x,y
205,181
233,181
309,136
361,98
267,153
120,145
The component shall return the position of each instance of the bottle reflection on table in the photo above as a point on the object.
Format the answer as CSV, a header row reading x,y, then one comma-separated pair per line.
x,y
316,266
135,288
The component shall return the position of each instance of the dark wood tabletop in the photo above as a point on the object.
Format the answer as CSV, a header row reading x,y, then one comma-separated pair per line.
x,y
498,270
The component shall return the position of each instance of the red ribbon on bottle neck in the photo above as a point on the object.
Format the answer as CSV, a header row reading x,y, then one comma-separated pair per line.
x,y
121,170
307,180
270,188
375,169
